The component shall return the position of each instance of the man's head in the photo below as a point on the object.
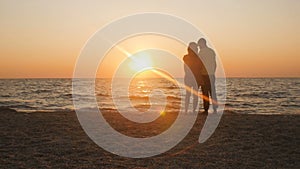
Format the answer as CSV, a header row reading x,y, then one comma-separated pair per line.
x,y
202,43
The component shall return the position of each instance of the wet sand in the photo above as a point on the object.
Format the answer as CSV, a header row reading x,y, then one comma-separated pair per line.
x,y
56,140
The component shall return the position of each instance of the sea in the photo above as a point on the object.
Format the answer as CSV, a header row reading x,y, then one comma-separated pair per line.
x,y
269,96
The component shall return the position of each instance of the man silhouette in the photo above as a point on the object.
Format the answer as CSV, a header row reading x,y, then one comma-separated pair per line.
x,y
208,57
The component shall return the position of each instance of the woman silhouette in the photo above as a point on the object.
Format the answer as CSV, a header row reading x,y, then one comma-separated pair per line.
x,y
192,76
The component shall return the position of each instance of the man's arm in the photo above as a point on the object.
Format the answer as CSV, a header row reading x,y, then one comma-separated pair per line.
x,y
214,63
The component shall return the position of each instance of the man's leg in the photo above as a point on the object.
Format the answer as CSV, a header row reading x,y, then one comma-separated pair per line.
x,y
205,97
213,92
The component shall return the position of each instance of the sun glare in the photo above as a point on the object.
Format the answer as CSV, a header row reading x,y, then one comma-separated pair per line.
x,y
140,62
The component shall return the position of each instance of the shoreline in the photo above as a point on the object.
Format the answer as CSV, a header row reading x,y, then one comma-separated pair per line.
x,y
225,112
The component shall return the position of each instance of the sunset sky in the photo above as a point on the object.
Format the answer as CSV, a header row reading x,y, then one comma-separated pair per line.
x,y
42,39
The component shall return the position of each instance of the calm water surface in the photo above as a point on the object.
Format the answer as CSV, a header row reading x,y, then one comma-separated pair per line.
x,y
247,96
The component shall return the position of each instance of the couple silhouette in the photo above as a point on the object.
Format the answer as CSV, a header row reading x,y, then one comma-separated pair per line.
x,y
200,67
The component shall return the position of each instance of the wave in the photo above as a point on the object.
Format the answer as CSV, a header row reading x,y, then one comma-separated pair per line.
x,y
7,109
173,98
20,110
171,87
69,95
290,105
136,97
102,94
264,94
43,91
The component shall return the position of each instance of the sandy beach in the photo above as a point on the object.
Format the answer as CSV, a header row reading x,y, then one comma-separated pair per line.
x,y
56,140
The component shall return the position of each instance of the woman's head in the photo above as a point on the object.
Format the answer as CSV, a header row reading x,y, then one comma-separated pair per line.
x,y
193,47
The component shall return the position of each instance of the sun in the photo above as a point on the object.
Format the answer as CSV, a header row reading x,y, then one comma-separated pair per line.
x,y
140,62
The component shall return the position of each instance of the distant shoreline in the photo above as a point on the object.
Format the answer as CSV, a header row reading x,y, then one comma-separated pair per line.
x,y
226,112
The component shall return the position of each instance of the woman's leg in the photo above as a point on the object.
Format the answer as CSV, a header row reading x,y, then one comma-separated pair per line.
x,y
195,97
187,100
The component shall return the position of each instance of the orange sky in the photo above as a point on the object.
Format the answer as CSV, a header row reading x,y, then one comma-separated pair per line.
x,y
42,39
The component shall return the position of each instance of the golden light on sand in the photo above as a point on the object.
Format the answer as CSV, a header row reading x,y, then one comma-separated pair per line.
x,y
162,113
